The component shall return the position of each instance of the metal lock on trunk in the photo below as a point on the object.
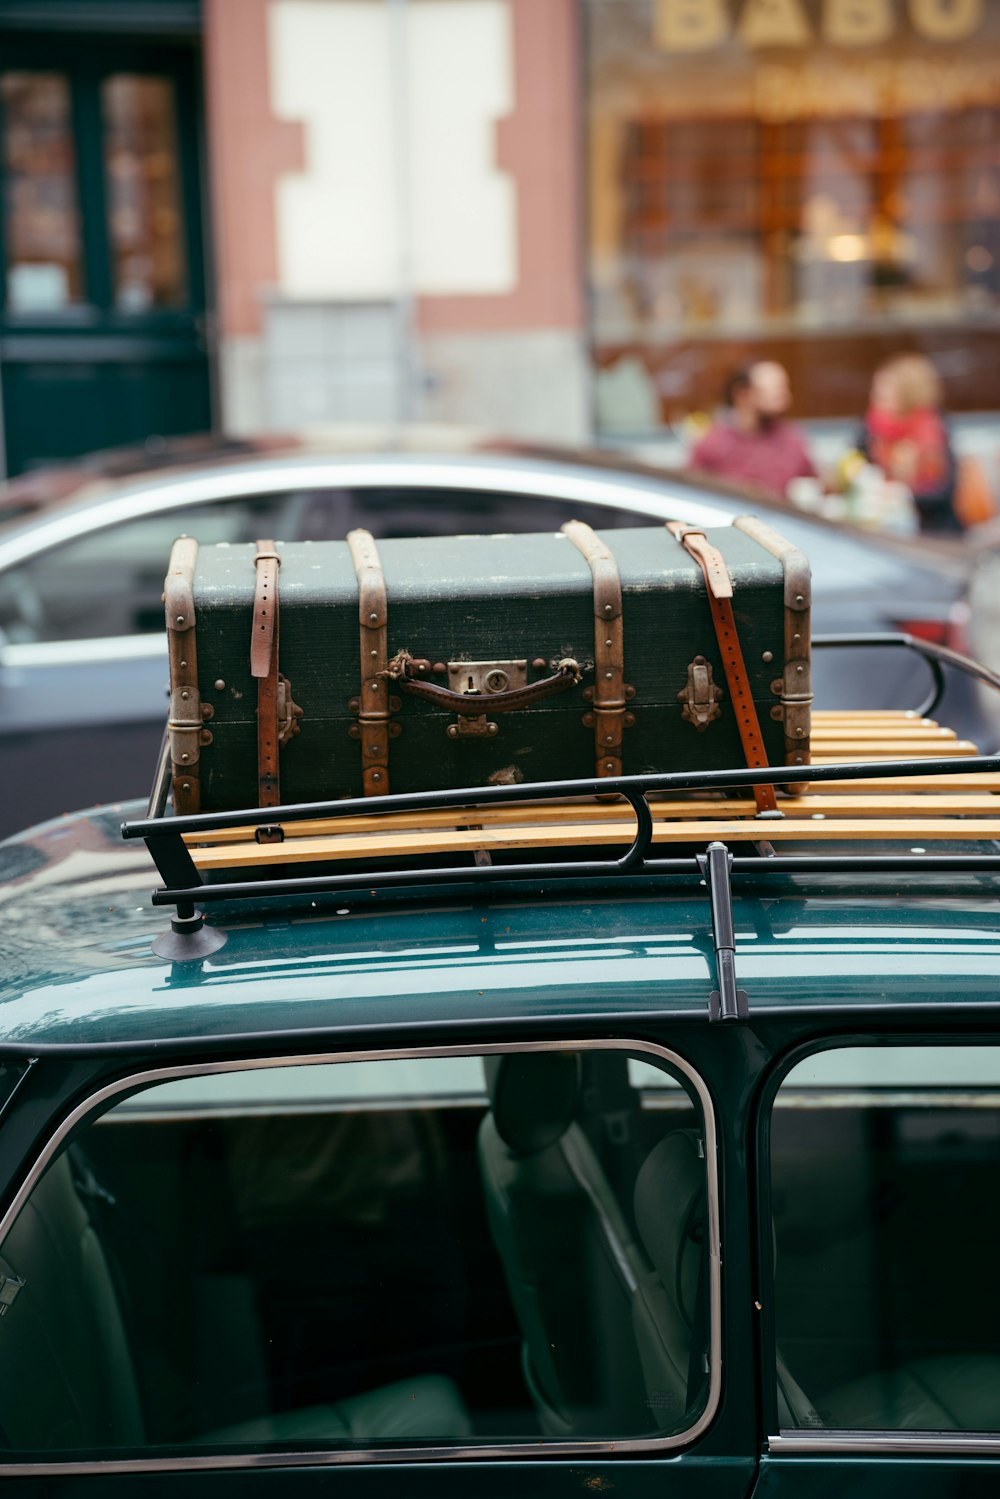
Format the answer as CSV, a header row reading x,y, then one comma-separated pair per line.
x,y
482,679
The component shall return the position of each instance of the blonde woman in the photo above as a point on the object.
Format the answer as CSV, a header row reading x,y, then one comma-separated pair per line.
x,y
904,433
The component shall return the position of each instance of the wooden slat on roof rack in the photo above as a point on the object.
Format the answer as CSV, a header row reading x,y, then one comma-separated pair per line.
x,y
913,809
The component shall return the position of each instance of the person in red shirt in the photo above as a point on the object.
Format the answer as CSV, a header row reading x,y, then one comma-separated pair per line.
x,y
905,434
752,442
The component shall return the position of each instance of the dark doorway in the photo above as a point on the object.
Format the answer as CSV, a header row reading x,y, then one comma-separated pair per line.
x,y
102,273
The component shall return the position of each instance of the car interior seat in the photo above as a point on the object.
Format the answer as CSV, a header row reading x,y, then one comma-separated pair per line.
x,y
671,1308
826,1239
607,1318
67,1376
569,1258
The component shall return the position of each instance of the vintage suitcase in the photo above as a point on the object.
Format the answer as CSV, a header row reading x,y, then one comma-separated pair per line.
x,y
314,671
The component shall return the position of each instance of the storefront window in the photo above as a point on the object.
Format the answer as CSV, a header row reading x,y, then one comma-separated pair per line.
x,y
41,218
144,210
817,183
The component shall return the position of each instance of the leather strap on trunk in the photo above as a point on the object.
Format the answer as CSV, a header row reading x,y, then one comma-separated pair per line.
x,y
264,666
185,721
609,647
374,710
720,599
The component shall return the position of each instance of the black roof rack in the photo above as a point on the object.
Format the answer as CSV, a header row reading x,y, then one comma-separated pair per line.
x,y
176,844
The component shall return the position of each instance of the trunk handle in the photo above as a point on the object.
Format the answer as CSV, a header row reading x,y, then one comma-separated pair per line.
x,y
474,704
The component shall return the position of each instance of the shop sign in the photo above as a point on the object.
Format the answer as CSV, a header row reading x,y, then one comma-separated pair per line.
x,y
697,25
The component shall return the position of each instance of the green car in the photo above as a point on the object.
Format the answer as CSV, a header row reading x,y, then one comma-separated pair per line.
x,y
426,1149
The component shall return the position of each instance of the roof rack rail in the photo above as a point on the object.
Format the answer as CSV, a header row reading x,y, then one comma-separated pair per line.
x,y
888,777
937,657
173,841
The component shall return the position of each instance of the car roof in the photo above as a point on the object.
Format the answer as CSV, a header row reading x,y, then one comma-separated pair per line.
x,y
78,970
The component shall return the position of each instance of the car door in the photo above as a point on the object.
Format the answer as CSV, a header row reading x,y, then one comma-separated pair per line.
x,y
415,1266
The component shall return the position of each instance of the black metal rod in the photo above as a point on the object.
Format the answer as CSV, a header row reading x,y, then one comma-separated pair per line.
x,y
715,864
935,656
627,786
728,1001
643,831
766,868
157,804
372,879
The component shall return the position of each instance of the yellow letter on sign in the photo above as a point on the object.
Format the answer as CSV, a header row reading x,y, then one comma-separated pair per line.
x,y
857,23
946,20
690,25
773,23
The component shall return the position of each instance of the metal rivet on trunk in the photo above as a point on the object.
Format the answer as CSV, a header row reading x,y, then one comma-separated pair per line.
x,y
767,656
219,685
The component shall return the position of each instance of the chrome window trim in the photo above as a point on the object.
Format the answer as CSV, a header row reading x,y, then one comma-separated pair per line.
x,y
867,1444
288,474
323,1458
92,650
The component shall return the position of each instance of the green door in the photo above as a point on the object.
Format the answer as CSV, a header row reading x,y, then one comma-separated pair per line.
x,y
102,277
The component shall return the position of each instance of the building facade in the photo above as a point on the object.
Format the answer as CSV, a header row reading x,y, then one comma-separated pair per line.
x,y
815,181
550,218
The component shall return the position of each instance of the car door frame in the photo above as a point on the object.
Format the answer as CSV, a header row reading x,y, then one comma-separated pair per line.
x,y
719,1461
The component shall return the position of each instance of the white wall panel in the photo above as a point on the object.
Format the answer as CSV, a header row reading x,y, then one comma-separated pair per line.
x,y
336,221
463,208
339,228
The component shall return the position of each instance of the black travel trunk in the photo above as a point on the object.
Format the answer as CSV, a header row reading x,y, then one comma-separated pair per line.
x,y
637,678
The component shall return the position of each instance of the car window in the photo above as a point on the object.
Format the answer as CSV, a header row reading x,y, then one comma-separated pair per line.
x,y
63,592
109,582
328,514
429,1250
887,1305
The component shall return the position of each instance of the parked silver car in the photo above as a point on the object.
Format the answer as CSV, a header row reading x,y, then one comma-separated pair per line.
x,y
83,552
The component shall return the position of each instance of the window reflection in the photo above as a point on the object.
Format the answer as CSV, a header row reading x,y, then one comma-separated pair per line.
x,y
144,208
759,175
378,1253
40,209
883,1160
